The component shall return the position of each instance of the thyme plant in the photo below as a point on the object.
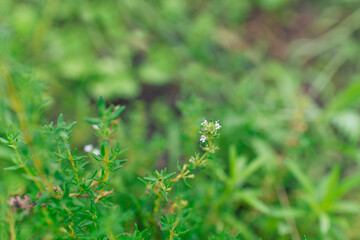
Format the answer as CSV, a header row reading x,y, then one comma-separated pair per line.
x,y
162,183
70,193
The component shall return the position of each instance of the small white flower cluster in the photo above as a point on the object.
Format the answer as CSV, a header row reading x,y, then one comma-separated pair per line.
x,y
95,127
217,125
204,122
90,148
203,137
206,126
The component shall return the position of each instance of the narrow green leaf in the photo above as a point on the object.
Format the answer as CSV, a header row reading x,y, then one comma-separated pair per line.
x,y
300,176
92,175
101,106
60,119
12,168
115,114
345,98
115,168
84,224
325,223
150,178
331,184
96,157
4,141
164,195
348,184
91,120
70,127
167,176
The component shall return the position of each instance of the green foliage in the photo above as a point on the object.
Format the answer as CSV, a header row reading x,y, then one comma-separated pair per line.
x,y
281,76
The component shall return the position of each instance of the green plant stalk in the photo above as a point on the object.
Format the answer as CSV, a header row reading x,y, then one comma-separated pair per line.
x,y
106,160
172,234
73,166
157,204
20,113
180,176
27,170
184,173
11,222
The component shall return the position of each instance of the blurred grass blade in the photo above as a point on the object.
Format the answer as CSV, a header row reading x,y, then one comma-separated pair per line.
x,y
301,177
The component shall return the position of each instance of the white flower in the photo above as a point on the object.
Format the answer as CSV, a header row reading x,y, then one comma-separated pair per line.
x,y
96,151
95,127
203,138
217,125
204,122
88,148
191,160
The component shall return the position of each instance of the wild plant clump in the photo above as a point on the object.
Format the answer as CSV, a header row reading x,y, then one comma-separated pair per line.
x,y
70,193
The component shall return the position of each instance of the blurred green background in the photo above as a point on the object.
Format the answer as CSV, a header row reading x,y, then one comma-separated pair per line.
x,y
282,76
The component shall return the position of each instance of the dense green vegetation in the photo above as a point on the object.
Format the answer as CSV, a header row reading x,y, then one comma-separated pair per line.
x,y
281,77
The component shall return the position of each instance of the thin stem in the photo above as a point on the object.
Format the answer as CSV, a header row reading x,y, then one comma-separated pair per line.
x,y
201,159
73,166
157,204
27,170
173,229
184,173
106,172
106,160
11,225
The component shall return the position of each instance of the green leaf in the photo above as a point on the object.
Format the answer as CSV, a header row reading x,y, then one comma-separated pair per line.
x,y
121,161
115,114
324,223
104,144
250,198
92,175
4,141
79,158
77,202
101,106
12,168
96,157
346,207
250,169
232,160
164,195
300,176
115,168
87,222
122,151
345,98
167,176
58,176
83,165
151,179
93,207
187,183
60,119
70,127
331,184
93,121
117,147
142,180
348,184
178,165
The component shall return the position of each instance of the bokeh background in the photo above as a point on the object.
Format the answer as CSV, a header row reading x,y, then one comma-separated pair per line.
x,y
282,76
